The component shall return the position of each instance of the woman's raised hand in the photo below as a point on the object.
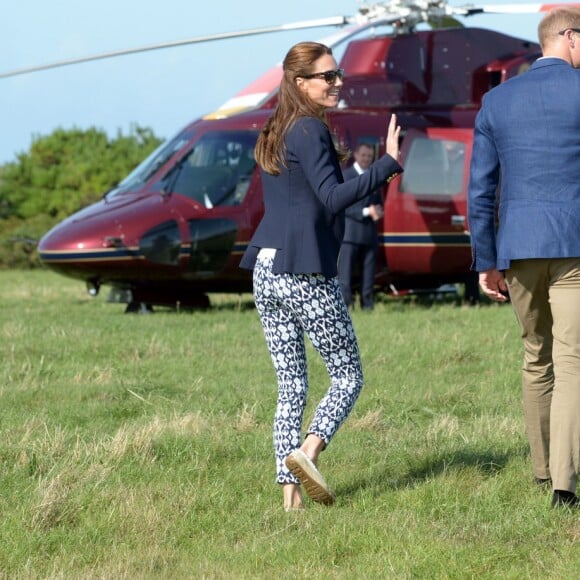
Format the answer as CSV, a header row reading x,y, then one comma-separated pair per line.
x,y
392,142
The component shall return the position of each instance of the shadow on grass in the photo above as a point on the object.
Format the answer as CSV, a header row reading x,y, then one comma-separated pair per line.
x,y
244,301
217,303
488,463
431,300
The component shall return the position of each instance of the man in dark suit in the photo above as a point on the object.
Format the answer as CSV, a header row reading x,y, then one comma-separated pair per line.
x,y
359,244
528,129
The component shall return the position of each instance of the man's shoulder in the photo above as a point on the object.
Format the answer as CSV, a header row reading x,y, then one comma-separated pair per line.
x,y
541,69
506,89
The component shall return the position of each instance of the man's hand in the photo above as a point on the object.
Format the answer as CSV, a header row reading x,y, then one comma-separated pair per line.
x,y
376,212
493,284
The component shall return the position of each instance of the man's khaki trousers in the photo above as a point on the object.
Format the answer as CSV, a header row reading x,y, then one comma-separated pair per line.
x,y
545,294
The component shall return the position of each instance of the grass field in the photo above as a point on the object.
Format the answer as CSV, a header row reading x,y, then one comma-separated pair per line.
x,y
139,446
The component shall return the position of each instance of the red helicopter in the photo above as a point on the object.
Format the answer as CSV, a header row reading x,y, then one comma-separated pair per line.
x,y
174,230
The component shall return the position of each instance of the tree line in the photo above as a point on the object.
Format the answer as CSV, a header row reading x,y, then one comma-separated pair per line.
x,y
60,174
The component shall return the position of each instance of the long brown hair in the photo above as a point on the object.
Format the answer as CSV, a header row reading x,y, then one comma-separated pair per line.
x,y
292,103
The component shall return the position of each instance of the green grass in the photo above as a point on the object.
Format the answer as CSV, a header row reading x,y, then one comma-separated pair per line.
x,y
139,446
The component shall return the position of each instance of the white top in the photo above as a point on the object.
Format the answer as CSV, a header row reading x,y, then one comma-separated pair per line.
x,y
267,253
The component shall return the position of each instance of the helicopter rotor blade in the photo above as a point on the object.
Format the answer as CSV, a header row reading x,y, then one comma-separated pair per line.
x,y
470,10
401,14
322,22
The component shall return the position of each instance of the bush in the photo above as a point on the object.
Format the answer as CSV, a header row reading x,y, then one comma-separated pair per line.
x,y
19,239
61,174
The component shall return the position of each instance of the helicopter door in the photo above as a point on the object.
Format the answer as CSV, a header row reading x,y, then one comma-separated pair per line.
x,y
425,225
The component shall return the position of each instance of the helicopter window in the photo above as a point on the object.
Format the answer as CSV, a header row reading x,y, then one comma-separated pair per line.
x,y
151,164
434,167
212,242
161,244
218,170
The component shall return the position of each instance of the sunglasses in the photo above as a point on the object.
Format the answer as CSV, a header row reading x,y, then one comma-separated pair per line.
x,y
562,32
329,76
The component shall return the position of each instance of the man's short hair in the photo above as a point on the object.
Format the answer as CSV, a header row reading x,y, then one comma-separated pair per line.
x,y
364,144
556,20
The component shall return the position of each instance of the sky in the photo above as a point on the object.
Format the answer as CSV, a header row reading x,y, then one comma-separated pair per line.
x,y
164,89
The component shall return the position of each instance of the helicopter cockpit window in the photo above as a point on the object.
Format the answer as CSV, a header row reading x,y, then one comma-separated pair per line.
x,y
434,167
151,164
217,171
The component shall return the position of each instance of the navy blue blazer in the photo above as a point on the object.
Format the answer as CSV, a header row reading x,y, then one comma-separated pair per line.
x,y
528,133
304,205
360,229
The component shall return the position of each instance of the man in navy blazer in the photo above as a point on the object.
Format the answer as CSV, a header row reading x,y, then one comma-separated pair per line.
x,y
360,241
524,218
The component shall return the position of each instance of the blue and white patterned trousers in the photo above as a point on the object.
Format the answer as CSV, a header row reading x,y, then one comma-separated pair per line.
x,y
290,305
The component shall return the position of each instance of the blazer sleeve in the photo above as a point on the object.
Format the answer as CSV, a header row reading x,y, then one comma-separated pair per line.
x,y
309,142
481,196
355,211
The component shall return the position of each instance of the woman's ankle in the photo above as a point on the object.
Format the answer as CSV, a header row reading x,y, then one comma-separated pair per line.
x,y
292,497
312,447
